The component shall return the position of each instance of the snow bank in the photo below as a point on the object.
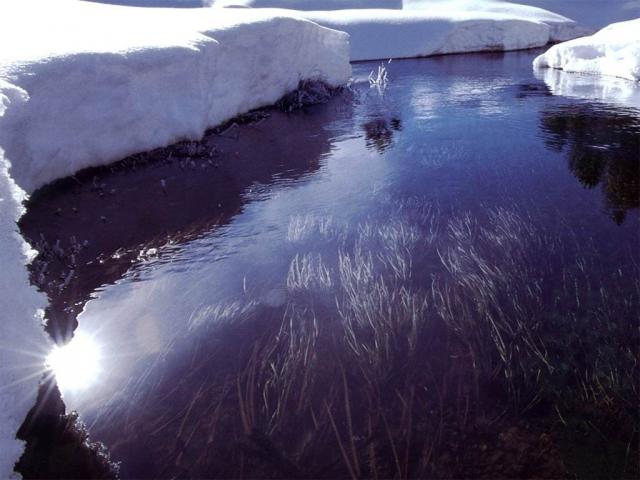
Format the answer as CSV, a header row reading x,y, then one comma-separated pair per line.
x,y
157,3
85,84
395,29
22,339
561,27
613,51
291,4
311,4
87,96
446,26
591,13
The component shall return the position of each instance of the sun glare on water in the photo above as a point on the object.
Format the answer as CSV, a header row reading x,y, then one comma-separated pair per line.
x,y
75,365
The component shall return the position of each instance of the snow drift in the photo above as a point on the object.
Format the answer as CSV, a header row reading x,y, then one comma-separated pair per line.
x,y
447,27
87,97
23,343
381,29
310,4
613,51
591,13
430,27
85,84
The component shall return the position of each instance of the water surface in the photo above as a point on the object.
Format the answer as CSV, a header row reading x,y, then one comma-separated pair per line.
x,y
463,191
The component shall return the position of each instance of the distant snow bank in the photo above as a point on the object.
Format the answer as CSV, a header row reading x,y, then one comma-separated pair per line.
x,y
451,26
382,29
590,13
613,51
291,4
85,84
310,4
415,28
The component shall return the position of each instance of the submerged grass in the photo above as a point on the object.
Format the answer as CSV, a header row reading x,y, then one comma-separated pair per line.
x,y
424,348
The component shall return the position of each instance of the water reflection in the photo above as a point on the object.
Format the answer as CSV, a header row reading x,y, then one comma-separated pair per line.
x,y
379,132
76,365
602,146
591,87
526,90
103,223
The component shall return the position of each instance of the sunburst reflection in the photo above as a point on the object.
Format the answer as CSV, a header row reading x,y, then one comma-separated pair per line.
x,y
75,365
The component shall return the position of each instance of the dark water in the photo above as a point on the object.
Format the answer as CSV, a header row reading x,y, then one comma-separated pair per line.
x,y
464,220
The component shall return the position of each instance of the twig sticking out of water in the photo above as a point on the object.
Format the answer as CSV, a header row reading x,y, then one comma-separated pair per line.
x,y
379,78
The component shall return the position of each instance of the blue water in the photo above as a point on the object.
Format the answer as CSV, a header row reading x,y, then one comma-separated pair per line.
x,y
456,137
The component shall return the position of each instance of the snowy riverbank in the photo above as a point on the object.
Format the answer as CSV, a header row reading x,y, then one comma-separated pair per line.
x,y
382,29
613,51
416,28
453,27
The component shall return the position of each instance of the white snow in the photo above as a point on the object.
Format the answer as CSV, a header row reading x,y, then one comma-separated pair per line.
x,y
311,4
452,27
381,29
291,4
85,84
613,51
431,27
594,14
23,343
110,81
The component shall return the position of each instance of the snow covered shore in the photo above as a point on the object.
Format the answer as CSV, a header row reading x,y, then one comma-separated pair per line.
x,y
88,96
613,51
85,84
594,14
446,27
310,4
382,29
23,343
417,28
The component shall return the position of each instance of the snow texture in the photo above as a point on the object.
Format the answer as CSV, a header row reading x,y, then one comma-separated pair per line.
x,y
291,4
85,84
594,14
381,29
90,97
22,342
307,5
447,27
613,51
431,27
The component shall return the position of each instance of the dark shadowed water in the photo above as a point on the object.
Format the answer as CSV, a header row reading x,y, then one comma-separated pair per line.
x,y
467,203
